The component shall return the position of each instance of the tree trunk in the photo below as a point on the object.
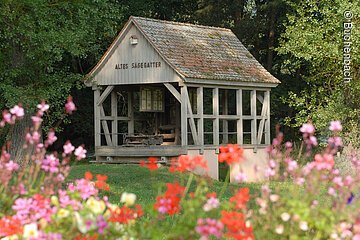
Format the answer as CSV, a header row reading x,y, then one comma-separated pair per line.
x,y
16,138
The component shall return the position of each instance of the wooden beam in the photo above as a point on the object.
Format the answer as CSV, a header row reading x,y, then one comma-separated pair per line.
x,y
97,127
253,115
114,114
239,123
262,121
225,128
184,141
216,115
105,127
267,125
173,91
191,118
104,95
260,98
131,122
200,113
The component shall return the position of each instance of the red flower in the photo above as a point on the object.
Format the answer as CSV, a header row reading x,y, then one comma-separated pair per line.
x,y
10,226
188,163
151,164
211,195
241,198
101,182
167,204
170,202
86,237
236,226
174,189
88,176
230,154
124,214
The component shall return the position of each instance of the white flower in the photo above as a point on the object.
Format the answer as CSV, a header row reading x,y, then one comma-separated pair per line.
x,y
80,223
303,225
285,216
274,197
30,231
128,198
96,206
279,229
63,213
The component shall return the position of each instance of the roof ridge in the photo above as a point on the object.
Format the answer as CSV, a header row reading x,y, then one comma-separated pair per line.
x,y
180,23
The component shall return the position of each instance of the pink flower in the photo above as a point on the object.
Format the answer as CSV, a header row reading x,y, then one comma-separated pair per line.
x,y
12,166
32,209
50,164
43,107
291,165
338,181
313,141
240,177
332,191
51,137
70,106
80,153
68,148
325,161
6,118
84,187
36,120
307,128
335,142
300,181
207,227
17,111
288,145
211,203
335,126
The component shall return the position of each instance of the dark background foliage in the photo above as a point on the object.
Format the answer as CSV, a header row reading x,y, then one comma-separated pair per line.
x,y
47,47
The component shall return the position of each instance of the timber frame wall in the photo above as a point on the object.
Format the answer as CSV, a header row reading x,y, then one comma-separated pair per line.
x,y
192,122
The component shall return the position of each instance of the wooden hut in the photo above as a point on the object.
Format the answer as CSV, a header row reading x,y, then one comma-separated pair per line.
x,y
167,88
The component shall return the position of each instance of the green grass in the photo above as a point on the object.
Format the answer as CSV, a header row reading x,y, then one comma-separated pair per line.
x,y
147,185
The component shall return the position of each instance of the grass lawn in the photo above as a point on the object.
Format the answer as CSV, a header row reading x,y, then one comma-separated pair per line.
x,y
147,185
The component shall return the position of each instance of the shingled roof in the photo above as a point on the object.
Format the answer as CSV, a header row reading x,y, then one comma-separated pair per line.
x,y
198,52
204,52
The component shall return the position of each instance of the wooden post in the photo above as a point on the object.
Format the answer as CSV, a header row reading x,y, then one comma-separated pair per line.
x,y
97,130
225,128
191,118
263,119
253,115
239,123
184,141
216,115
105,126
200,113
114,114
131,121
267,125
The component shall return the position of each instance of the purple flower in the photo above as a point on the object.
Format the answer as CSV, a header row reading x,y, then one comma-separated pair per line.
x,y
101,224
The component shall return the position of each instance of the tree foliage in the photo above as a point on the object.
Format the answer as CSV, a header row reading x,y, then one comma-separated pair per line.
x,y
313,45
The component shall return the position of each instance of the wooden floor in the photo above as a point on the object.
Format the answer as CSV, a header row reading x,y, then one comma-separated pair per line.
x,y
140,151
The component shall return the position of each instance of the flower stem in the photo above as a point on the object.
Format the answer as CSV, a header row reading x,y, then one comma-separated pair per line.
x,y
226,183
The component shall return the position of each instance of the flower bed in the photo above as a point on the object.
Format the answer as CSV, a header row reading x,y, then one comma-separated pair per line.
x,y
36,203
